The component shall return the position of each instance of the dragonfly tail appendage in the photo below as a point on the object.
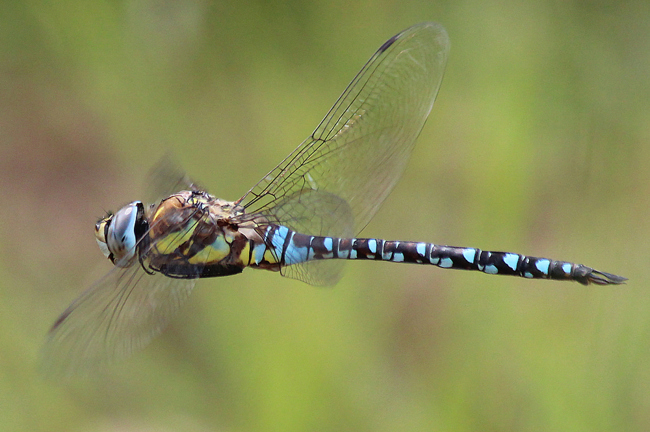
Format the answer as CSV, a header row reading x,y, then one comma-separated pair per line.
x,y
590,275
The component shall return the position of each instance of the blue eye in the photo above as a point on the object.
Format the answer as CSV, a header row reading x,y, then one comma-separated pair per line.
x,y
120,233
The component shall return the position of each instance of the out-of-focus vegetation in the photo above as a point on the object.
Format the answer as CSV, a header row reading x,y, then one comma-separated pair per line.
x,y
539,143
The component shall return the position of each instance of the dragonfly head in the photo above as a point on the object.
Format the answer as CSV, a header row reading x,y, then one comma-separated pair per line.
x,y
118,234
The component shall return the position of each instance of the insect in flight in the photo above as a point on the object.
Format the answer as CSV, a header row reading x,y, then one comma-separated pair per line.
x,y
301,219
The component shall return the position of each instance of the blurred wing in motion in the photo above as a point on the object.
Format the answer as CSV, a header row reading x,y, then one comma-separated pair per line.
x,y
165,178
116,316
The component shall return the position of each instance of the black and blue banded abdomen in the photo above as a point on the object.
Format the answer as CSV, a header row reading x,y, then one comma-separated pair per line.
x,y
291,248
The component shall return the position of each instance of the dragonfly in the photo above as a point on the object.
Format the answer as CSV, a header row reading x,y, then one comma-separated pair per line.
x,y
300,220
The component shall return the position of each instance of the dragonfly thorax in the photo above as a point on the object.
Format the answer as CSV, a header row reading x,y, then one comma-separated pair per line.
x,y
118,234
193,234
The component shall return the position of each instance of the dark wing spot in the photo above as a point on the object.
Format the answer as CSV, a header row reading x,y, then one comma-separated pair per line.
x,y
388,43
60,320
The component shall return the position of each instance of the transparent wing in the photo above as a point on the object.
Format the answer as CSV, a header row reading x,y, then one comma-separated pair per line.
x,y
165,178
360,149
116,316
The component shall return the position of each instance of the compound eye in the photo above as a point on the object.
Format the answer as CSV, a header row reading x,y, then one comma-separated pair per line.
x,y
121,233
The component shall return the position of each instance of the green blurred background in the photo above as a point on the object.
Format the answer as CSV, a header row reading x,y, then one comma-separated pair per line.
x,y
538,144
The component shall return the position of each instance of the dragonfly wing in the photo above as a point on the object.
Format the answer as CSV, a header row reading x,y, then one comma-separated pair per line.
x,y
116,316
314,212
166,178
361,148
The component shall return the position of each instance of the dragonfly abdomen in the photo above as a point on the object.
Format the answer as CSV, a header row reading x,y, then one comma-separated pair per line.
x,y
294,248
